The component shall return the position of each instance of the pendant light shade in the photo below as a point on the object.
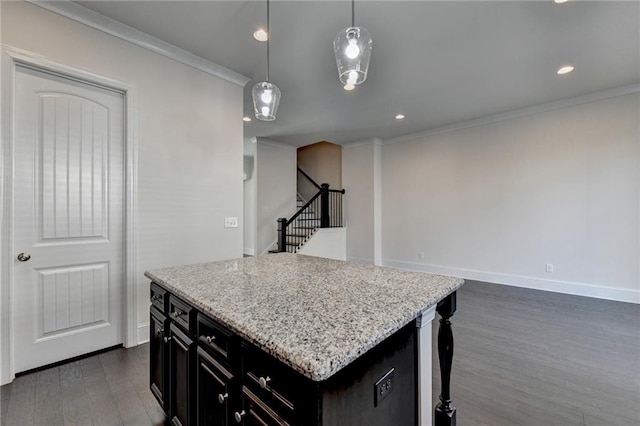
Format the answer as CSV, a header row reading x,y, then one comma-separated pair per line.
x,y
266,95
352,48
266,98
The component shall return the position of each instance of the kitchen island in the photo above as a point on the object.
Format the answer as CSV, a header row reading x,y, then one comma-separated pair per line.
x,y
292,339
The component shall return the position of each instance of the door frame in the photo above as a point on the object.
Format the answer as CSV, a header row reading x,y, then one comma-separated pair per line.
x,y
10,60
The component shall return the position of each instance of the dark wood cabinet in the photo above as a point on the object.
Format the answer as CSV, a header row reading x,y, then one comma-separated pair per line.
x,y
158,357
181,355
256,412
203,374
214,389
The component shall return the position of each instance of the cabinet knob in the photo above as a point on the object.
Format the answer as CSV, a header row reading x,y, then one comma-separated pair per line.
x,y
167,339
209,339
177,313
156,297
263,381
222,398
160,331
239,415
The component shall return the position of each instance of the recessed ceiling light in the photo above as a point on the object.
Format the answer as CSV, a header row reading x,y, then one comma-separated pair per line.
x,y
560,1
261,35
246,118
400,117
349,86
565,69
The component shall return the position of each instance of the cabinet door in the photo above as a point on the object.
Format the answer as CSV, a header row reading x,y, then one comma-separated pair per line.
x,y
158,358
256,412
182,351
214,383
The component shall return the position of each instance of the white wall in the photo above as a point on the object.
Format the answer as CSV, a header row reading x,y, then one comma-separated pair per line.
x,y
249,192
189,139
276,189
499,201
358,174
327,242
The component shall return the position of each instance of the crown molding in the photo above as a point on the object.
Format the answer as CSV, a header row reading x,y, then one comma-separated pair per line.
x,y
368,141
275,144
563,103
112,27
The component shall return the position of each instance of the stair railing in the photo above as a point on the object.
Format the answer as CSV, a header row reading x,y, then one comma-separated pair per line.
x,y
324,207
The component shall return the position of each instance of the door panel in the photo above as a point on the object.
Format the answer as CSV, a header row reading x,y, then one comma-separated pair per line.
x,y
71,202
72,299
68,215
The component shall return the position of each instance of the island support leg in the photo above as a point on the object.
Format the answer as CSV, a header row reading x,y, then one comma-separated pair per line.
x,y
445,413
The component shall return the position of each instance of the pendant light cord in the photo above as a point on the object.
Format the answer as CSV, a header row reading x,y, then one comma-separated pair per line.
x,y
353,13
268,39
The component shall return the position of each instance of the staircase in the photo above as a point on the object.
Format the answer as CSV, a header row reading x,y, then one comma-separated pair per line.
x,y
302,228
323,210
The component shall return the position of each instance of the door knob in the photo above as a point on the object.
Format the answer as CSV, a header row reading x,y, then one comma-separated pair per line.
x,y
23,257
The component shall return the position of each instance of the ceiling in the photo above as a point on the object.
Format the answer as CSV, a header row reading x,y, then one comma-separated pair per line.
x,y
439,63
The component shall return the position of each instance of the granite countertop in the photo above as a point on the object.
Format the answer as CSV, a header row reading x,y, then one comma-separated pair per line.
x,y
316,315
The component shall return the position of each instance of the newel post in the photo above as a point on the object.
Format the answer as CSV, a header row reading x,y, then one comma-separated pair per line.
x,y
324,206
282,234
445,413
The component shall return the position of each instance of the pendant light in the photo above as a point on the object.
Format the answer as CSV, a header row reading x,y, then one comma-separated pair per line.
x,y
266,95
352,48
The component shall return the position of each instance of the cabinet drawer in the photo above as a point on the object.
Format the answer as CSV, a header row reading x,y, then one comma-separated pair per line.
x,y
159,297
182,313
215,338
274,382
257,412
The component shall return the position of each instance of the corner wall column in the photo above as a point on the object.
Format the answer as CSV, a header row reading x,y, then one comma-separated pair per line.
x,y
423,324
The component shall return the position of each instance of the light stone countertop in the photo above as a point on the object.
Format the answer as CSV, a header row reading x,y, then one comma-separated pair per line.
x,y
316,315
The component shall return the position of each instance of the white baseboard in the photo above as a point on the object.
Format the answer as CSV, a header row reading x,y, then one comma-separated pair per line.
x,y
565,287
249,251
143,332
361,260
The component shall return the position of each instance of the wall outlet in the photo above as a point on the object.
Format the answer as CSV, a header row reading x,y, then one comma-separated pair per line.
x,y
420,255
230,222
383,387
549,267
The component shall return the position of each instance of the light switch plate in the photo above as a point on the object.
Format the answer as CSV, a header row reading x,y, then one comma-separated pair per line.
x,y
230,222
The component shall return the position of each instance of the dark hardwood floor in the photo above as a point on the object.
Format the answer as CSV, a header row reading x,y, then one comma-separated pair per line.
x,y
107,389
526,357
522,357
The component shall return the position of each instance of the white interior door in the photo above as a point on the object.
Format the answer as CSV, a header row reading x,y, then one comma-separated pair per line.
x,y
68,217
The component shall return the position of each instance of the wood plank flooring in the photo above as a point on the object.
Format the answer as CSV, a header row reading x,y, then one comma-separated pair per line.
x,y
107,389
526,357
522,357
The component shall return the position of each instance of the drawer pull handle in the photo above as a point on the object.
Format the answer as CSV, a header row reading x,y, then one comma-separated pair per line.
x,y
178,313
160,331
167,339
222,398
263,381
239,415
156,297
209,339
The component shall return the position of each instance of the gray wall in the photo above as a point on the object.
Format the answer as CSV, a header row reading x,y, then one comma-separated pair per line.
x,y
497,202
276,189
